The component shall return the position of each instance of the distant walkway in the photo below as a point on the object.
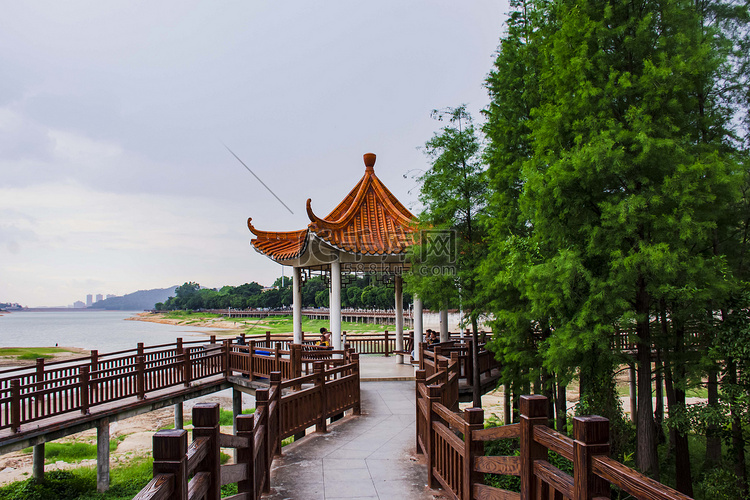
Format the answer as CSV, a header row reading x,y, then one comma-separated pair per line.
x,y
372,456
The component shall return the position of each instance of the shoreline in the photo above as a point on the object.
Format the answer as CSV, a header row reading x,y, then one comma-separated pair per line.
x,y
218,323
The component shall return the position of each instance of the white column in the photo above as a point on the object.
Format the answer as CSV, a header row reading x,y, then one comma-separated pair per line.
x,y
297,304
335,305
418,326
444,332
398,295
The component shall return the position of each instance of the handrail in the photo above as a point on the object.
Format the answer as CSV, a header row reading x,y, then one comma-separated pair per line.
x,y
453,444
258,438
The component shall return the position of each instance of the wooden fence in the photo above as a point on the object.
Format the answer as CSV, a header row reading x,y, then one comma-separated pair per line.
x,y
453,444
309,400
460,352
49,389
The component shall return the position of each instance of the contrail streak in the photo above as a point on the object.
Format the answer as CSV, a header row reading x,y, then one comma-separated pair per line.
x,y
264,184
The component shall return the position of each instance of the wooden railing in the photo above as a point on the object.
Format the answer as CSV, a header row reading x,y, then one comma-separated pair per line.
x,y
49,389
309,400
453,444
460,351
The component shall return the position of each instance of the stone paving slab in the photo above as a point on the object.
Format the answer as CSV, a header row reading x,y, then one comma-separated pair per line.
x,y
370,456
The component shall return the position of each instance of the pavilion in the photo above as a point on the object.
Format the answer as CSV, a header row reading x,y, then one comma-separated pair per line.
x,y
370,231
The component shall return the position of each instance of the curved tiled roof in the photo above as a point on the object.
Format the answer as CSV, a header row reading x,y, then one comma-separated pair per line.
x,y
279,245
369,221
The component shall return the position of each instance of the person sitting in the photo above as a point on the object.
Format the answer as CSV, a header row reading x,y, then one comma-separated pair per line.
x,y
325,338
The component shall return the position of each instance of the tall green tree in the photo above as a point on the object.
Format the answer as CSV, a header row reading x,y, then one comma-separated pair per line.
x,y
454,195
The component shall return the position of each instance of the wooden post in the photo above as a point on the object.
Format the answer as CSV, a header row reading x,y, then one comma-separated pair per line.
x,y
140,377
507,410
533,413
102,455
420,381
186,372
474,421
387,344
140,349
591,436
295,358
15,405
251,353
261,403
84,390
358,395
245,425
39,399
320,383
206,424
170,457
276,384
179,346
226,360
268,339
236,412
277,358
94,363
212,339
434,392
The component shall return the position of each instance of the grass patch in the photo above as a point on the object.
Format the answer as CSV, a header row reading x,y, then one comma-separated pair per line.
x,y
31,353
73,452
283,324
189,315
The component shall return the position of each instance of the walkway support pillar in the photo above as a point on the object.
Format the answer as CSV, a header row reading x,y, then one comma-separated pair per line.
x,y
179,419
445,335
335,305
236,411
398,295
38,465
102,455
418,326
297,304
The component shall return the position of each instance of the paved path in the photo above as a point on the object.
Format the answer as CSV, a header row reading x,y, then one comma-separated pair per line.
x,y
371,456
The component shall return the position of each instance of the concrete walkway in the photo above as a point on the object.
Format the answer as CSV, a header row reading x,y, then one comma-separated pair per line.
x,y
371,456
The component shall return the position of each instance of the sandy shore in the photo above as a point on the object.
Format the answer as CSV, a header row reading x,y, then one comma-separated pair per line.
x,y
75,352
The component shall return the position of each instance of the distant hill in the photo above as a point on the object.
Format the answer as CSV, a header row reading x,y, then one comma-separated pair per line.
x,y
136,301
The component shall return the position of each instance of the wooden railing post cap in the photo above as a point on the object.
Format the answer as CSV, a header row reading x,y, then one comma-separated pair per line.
x,y
533,406
591,429
318,366
434,391
420,374
474,415
275,377
355,356
245,422
205,414
261,395
170,445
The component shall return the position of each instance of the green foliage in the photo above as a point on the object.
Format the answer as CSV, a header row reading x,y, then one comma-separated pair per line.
x,y
192,297
226,417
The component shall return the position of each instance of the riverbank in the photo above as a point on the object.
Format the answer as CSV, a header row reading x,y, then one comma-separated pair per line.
x,y
27,356
206,321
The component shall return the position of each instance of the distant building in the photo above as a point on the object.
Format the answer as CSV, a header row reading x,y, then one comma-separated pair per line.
x,y
89,300
110,295
78,305
99,297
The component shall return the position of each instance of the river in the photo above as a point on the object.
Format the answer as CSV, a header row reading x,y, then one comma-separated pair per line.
x,y
107,331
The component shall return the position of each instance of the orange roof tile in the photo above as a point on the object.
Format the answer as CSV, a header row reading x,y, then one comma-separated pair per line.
x,y
279,245
369,221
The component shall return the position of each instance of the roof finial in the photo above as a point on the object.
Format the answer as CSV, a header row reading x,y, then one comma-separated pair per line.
x,y
369,162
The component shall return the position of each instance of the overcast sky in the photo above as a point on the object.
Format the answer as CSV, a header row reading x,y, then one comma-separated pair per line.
x,y
113,176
